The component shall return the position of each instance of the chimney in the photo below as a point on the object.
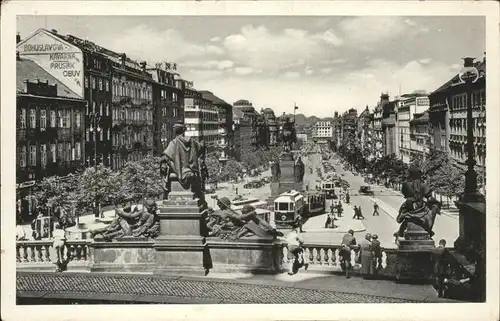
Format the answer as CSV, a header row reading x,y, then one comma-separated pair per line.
x,y
18,38
53,31
143,65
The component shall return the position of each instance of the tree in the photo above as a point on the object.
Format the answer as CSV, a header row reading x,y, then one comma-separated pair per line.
x,y
56,192
95,187
231,170
140,179
251,160
214,169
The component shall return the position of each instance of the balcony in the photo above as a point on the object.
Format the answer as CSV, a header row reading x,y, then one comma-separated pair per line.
x,y
129,101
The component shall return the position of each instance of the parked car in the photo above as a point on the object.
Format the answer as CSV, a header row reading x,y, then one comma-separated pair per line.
x,y
209,189
366,190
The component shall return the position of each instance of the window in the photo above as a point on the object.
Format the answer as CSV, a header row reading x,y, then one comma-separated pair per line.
x,y
86,82
33,155
100,84
78,120
68,152
22,159
122,92
107,108
100,108
68,118
87,135
107,85
53,152
60,151
43,155
109,133
22,118
32,118
92,79
43,118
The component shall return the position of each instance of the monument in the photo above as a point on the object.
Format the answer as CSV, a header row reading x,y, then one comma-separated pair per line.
x,y
286,171
414,237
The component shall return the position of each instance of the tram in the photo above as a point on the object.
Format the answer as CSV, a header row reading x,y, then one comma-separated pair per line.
x,y
331,188
287,207
315,203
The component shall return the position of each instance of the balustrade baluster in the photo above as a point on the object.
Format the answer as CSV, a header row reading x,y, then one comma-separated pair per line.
x,y
353,258
25,253
79,252
334,256
39,249
85,253
18,253
32,254
306,255
311,255
47,253
285,255
326,262
384,259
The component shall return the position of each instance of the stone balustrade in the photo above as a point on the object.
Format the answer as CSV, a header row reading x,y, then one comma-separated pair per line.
x,y
326,257
41,254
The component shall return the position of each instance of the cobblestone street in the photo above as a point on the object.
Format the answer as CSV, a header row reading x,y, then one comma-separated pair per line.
x,y
257,289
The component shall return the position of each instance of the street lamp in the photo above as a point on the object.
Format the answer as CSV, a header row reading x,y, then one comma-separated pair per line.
x,y
469,75
95,121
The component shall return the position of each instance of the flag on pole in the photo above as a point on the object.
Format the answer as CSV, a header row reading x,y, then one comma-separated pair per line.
x,y
296,107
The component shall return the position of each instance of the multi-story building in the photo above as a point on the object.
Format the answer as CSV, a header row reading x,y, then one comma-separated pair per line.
x,y
419,135
336,131
349,128
243,131
365,132
82,67
132,110
448,119
410,104
378,136
252,116
322,132
50,130
168,103
271,127
389,128
201,119
225,121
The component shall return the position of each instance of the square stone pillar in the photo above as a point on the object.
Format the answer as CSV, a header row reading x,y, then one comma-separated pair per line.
x,y
181,243
287,178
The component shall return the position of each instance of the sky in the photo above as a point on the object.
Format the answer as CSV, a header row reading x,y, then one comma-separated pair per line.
x,y
322,64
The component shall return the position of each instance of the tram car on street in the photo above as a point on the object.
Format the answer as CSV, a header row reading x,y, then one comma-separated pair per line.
x,y
315,203
331,188
287,207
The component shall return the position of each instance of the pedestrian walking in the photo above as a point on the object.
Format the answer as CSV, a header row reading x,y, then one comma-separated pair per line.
x,y
375,209
299,222
340,209
439,257
377,253
348,242
295,251
366,256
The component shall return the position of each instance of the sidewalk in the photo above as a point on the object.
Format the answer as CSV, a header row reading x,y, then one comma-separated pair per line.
x,y
344,223
300,288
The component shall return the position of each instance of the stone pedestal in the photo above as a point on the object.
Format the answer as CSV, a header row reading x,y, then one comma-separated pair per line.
x,y
180,245
287,178
414,256
126,254
249,255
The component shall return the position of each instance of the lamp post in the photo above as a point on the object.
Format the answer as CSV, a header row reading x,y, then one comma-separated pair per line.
x,y
469,75
95,121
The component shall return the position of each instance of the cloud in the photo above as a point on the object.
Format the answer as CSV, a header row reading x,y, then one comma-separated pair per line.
x,y
291,74
326,70
144,42
215,39
367,31
243,71
424,61
258,47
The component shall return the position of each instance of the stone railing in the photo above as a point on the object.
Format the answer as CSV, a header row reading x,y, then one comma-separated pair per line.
x,y
41,255
324,257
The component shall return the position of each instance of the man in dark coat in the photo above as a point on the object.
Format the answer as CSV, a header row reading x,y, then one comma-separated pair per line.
x,y
348,243
439,257
377,252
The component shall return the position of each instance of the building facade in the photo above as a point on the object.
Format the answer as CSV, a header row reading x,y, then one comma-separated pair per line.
x,y
322,132
168,103
378,137
225,145
365,132
272,130
419,136
50,132
201,119
389,128
349,128
252,117
243,131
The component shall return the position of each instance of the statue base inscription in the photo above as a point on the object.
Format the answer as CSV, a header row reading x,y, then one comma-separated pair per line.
x,y
180,246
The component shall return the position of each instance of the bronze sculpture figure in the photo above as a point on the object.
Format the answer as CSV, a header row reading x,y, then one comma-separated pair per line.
x,y
288,135
132,223
419,208
299,170
275,171
183,161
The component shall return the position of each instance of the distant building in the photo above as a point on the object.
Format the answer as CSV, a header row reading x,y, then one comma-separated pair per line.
x,y
168,103
365,132
225,145
410,104
349,127
251,116
389,128
378,137
201,119
272,130
50,132
243,131
419,135
322,132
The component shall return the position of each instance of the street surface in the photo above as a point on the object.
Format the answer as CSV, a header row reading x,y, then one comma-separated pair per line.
x,y
300,288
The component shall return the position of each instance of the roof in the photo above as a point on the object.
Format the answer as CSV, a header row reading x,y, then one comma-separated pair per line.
x,y
481,67
238,113
208,95
419,119
28,70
